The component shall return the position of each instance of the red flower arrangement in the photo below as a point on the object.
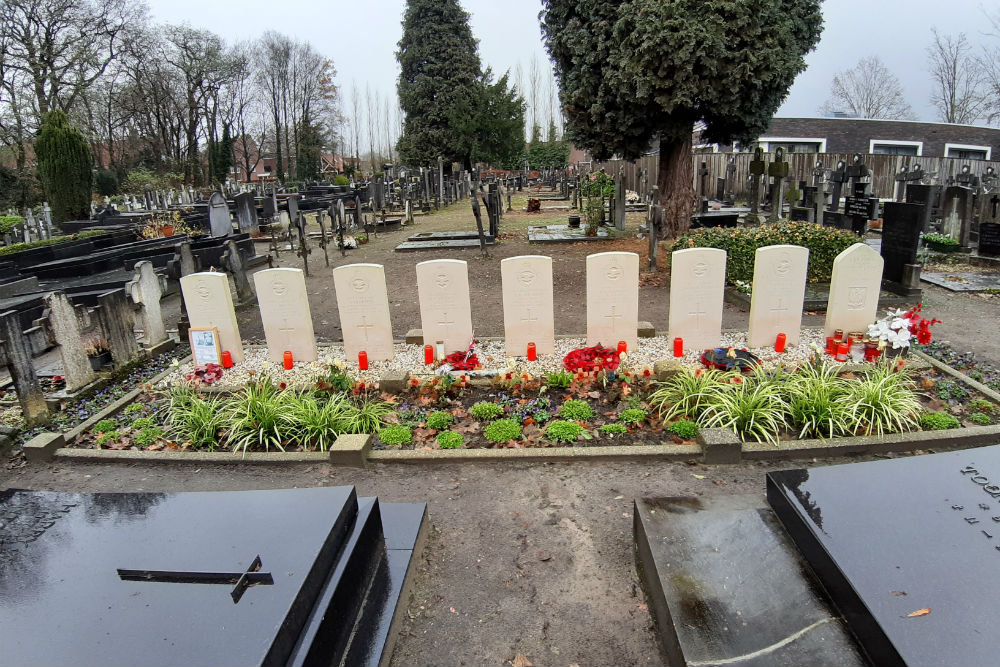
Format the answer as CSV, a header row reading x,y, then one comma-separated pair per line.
x,y
206,374
591,359
920,327
464,361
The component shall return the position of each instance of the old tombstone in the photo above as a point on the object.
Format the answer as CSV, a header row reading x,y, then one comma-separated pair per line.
x,y
209,303
837,177
758,168
284,311
697,289
778,170
989,239
856,171
145,290
860,209
445,308
612,298
246,213
619,219
363,304
901,227
22,371
957,208
779,287
900,179
854,289
927,196
527,304
64,321
729,190
118,325
219,220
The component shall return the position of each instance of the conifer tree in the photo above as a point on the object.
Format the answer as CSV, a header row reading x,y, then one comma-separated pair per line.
x,y
64,167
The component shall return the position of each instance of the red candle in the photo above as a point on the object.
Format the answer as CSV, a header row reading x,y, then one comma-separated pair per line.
x,y
842,350
678,347
532,352
227,359
288,360
622,346
428,354
363,360
779,343
830,345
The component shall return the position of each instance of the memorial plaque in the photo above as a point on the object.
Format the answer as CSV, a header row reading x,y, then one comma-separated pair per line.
x,y
907,549
989,239
901,227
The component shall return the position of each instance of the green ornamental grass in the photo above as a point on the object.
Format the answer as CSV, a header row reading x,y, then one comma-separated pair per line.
x,y
688,393
884,401
193,418
755,409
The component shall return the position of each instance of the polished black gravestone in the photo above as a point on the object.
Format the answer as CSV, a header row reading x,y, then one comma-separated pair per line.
x,y
901,229
284,577
989,239
890,540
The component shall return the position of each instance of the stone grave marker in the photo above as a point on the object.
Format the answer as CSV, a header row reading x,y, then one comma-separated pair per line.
x,y
921,525
363,304
117,322
219,219
64,321
901,227
989,239
779,288
697,290
837,177
145,290
528,304
778,170
284,311
757,169
209,303
22,370
854,289
612,298
246,213
925,195
957,222
445,308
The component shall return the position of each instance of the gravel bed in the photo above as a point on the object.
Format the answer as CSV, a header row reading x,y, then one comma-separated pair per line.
x,y
492,356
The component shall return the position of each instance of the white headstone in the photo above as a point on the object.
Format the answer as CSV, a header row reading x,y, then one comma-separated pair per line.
x,y
854,289
284,311
219,219
779,288
697,289
210,304
527,304
612,298
445,310
363,303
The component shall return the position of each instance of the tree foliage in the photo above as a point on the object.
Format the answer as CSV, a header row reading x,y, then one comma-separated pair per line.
x,y
869,90
64,164
632,71
439,69
489,126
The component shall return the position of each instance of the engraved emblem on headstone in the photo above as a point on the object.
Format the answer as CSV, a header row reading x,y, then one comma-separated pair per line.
x,y
279,288
442,280
526,277
700,269
203,291
614,273
783,265
856,297
359,285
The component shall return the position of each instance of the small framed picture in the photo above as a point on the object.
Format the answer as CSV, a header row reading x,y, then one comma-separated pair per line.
x,y
205,345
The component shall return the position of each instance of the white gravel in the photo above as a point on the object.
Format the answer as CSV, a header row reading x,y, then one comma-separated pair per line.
x,y
492,356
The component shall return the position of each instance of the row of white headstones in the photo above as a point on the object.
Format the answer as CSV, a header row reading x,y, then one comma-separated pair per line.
x,y
697,285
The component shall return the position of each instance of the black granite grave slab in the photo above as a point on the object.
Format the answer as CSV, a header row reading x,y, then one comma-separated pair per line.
x,y
726,587
901,227
155,579
989,239
907,549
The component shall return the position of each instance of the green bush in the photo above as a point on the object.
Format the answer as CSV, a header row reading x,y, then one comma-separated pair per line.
x,y
485,410
502,430
980,418
632,416
741,244
65,167
440,419
340,179
941,242
394,436
140,178
687,394
576,410
106,437
614,429
148,436
106,182
684,429
8,222
18,247
938,421
563,431
105,425
449,440
193,418
982,405
141,423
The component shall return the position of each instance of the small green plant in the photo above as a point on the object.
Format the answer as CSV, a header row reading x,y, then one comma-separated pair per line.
x,y
559,379
319,419
755,409
980,418
395,436
193,418
948,389
885,401
812,394
105,425
940,242
563,431
576,410
982,405
614,429
141,423
258,417
336,379
366,417
133,408
977,375
485,411
938,421
632,416
107,436
449,440
440,419
684,429
148,436
687,394
8,222
502,430
541,416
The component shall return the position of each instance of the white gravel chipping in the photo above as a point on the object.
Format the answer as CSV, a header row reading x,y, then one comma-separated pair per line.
x,y
492,356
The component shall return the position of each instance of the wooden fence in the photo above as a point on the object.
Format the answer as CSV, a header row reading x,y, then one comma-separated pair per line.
x,y
882,169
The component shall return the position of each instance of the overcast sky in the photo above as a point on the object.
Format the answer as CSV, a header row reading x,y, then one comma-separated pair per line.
x,y
360,37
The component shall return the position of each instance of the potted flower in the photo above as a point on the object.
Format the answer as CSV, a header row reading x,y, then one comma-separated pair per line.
x,y
97,352
940,243
900,327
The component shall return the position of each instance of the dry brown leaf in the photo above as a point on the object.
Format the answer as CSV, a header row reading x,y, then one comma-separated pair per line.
x,y
919,612
424,434
898,593
520,660
594,394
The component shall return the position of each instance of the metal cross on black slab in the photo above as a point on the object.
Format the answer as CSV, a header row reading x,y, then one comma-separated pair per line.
x,y
242,580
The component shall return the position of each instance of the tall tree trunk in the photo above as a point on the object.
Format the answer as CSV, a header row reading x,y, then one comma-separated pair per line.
x,y
674,180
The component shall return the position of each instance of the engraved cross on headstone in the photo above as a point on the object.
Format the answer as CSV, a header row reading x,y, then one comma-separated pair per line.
x,y
613,316
364,326
529,318
252,576
697,313
778,308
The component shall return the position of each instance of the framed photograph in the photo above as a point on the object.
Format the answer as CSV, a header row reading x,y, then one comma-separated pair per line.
x,y
205,346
